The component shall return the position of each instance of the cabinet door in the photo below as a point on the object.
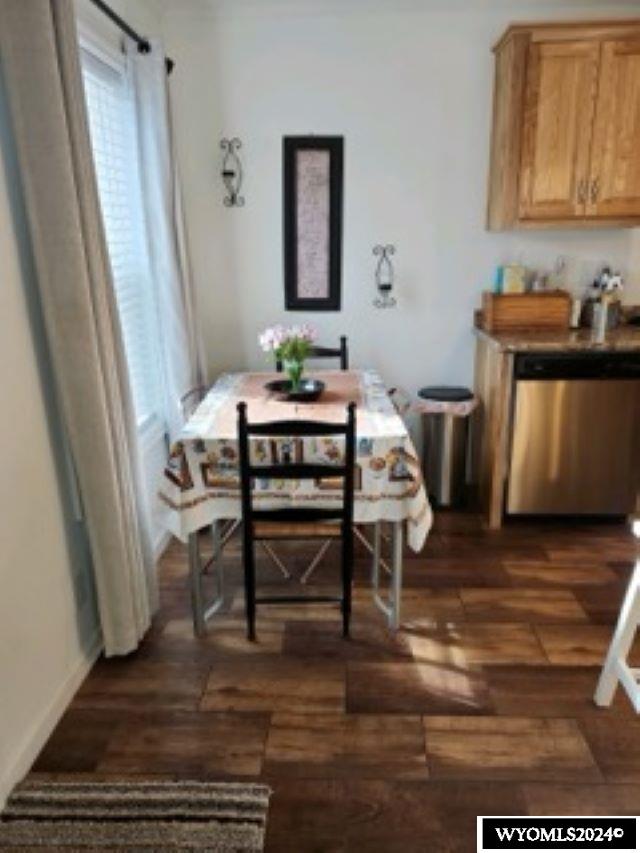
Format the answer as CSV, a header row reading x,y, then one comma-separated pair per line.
x,y
614,188
558,121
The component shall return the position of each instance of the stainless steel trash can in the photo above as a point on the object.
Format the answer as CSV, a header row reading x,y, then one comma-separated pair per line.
x,y
446,436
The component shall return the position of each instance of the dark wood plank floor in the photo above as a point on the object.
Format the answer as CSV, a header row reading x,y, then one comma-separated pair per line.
x,y
481,704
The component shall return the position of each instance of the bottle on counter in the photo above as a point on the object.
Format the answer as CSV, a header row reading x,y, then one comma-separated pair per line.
x,y
601,318
576,312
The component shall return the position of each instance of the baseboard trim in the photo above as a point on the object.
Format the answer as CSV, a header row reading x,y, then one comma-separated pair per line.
x,y
36,738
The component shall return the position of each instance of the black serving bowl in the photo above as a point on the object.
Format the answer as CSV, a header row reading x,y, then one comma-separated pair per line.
x,y
308,391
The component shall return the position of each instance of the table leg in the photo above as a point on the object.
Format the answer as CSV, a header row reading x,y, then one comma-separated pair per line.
x,y
216,535
375,550
615,669
200,610
369,547
396,577
195,573
391,609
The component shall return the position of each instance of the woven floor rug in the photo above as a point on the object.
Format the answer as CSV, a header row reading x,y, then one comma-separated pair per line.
x,y
157,816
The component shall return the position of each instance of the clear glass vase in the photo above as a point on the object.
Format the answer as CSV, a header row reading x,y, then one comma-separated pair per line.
x,y
293,368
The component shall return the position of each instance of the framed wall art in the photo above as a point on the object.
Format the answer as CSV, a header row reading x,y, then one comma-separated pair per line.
x,y
312,204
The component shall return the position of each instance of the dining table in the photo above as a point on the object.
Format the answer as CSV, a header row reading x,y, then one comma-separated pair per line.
x,y
200,486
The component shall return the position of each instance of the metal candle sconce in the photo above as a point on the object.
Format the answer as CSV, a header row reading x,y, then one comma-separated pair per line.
x,y
384,276
232,172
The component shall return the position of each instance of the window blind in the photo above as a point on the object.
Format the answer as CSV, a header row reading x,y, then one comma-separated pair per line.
x,y
112,128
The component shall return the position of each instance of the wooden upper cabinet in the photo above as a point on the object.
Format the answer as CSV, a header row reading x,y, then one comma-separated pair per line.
x,y
558,116
565,148
614,188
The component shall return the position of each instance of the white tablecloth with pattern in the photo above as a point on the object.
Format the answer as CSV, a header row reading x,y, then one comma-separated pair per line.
x,y
200,483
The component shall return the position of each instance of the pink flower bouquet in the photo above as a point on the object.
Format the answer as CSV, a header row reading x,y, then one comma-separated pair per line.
x,y
290,345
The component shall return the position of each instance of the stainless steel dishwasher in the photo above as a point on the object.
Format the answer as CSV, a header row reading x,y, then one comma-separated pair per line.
x,y
575,444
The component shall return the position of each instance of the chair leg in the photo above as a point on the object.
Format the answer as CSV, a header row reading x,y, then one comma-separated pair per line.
x,y
621,642
249,583
250,595
347,577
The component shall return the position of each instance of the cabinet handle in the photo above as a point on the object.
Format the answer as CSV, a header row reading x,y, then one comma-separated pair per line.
x,y
582,190
595,190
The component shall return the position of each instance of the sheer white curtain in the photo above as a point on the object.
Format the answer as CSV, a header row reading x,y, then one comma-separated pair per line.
x,y
182,363
40,62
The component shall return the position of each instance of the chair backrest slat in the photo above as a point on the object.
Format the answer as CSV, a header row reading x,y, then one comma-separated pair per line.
x,y
288,429
341,353
298,471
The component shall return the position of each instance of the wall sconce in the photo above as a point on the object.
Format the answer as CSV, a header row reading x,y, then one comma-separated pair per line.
x,y
232,172
384,276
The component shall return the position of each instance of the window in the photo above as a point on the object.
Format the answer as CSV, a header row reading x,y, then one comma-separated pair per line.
x,y
112,127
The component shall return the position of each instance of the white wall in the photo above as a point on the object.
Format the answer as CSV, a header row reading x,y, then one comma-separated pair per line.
x,y
48,628
408,83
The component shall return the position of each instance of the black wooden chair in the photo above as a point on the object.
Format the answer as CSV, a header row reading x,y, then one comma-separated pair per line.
x,y
341,352
317,352
299,523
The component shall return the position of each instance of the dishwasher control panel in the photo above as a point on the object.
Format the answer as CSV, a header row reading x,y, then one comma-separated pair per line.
x,y
583,365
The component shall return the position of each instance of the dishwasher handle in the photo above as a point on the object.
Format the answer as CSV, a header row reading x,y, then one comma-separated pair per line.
x,y
584,365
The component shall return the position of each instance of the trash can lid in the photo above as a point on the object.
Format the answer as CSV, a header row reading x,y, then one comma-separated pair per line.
x,y
445,393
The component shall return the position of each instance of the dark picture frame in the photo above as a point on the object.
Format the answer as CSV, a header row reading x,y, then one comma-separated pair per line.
x,y
331,299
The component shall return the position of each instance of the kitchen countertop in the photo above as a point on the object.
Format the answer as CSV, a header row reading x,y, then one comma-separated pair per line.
x,y
622,339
